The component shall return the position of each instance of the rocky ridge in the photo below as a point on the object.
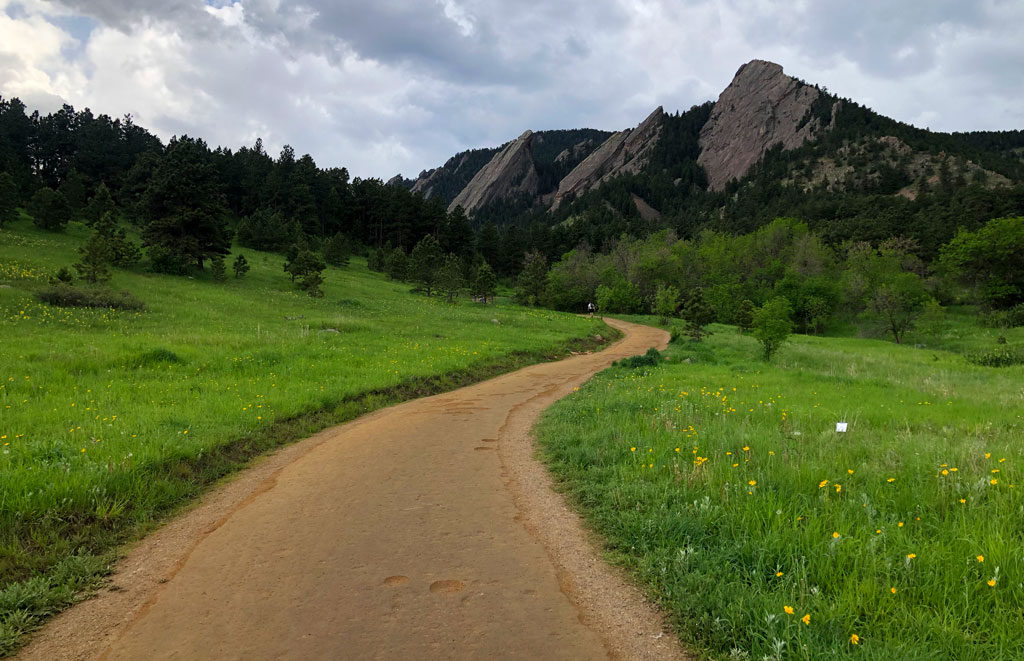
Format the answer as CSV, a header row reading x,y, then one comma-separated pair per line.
x,y
760,108
510,173
625,151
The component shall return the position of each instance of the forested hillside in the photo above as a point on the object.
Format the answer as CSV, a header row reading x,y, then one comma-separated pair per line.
x,y
864,198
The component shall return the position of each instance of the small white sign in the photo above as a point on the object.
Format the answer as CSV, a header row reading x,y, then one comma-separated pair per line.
x,y
840,426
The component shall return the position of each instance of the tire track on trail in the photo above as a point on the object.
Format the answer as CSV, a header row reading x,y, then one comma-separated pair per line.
x,y
425,530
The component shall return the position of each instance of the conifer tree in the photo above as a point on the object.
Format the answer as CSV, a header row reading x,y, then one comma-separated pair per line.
x,y
450,280
8,199
99,206
424,262
124,253
49,209
396,265
337,250
241,266
486,283
95,258
532,280
697,314
307,272
217,268
185,205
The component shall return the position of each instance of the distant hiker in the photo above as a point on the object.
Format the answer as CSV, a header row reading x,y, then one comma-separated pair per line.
x,y
590,309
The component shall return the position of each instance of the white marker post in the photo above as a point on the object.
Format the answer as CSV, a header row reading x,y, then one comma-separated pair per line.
x,y
840,427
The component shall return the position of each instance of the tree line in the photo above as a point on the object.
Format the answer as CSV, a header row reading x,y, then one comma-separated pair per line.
x,y
726,278
188,202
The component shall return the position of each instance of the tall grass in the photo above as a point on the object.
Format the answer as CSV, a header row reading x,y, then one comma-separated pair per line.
x,y
722,484
110,419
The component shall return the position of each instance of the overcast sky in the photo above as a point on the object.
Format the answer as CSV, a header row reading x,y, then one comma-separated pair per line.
x,y
388,86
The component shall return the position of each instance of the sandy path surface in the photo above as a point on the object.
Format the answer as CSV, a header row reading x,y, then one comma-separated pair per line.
x,y
425,530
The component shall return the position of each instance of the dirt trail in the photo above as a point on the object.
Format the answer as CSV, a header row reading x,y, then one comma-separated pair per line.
x,y
425,530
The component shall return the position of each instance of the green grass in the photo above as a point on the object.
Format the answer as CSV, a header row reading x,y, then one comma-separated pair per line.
x,y
720,482
110,420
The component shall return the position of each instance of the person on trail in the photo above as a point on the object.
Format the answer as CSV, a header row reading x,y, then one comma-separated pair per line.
x,y
590,309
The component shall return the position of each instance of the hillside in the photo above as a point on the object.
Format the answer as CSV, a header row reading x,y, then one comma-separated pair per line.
x,y
770,146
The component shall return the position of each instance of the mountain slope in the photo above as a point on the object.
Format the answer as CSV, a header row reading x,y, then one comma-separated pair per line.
x,y
771,145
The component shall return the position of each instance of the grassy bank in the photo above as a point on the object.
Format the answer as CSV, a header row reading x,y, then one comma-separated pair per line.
x,y
721,483
110,420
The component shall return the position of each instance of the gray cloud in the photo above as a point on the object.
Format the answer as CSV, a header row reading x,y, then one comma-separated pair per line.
x,y
395,86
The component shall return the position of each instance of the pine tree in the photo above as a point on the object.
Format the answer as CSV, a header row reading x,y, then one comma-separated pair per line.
x,y
449,277
49,209
241,266
307,272
424,262
486,283
186,209
217,268
337,250
532,280
397,265
99,206
95,257
698,314
8,199
124,253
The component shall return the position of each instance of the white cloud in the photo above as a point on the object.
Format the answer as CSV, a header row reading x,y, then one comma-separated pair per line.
x,y
394,86
32,64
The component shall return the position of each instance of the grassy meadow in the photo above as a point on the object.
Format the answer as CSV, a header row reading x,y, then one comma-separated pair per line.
x,y
721,483
109,420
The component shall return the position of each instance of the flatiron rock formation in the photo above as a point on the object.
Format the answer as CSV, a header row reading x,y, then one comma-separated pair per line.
x,y
511,172
625,151
761,107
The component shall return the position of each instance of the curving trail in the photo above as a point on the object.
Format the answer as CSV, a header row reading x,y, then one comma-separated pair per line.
x,y
425,530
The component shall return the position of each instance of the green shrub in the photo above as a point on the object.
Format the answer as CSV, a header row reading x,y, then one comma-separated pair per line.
x,y
649,359
1004,355
156,357
1010,318
64,295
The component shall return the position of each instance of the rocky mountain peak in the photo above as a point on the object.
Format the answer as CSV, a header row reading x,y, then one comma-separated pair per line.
x,y
760,108
625,151
509,173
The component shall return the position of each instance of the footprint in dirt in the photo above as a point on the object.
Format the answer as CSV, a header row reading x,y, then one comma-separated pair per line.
x,y
396,580
448,585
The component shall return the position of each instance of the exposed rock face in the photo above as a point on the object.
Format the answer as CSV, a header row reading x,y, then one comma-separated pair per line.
x,y
509,173
647,212
425,181
576,151
760,108
625,151
400,181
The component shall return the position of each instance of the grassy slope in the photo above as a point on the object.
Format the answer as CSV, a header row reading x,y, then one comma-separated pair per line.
x,y
722,485
109,420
